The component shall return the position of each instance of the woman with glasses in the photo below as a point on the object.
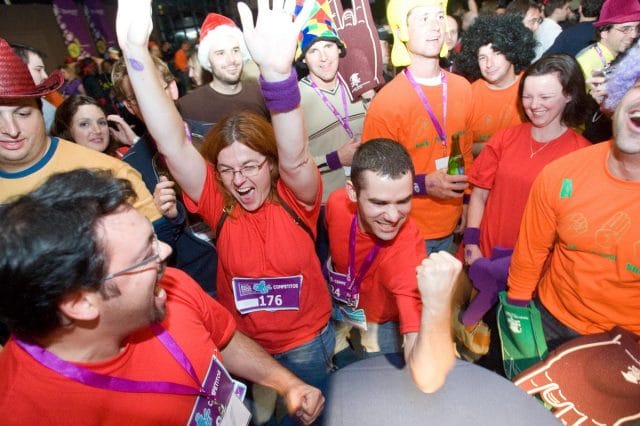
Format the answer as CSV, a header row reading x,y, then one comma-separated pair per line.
x,y
553,100
257,186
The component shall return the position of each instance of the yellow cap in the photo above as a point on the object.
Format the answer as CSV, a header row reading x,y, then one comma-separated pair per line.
x,y
397,12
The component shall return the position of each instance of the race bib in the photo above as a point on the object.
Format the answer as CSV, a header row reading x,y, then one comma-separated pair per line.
x,y
267,294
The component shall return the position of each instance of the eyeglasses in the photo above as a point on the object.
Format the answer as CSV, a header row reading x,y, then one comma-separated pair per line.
x,y
246,171
155,257
533,21
627,30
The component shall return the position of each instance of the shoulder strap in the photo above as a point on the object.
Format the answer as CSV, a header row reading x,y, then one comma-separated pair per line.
x,y
284,205
295,217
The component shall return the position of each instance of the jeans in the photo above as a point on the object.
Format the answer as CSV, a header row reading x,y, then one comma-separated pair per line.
x,y
555,333
311,362
439,244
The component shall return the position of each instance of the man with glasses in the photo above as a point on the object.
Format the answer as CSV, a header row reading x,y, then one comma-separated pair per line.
x,y
191,254
102,333
616,29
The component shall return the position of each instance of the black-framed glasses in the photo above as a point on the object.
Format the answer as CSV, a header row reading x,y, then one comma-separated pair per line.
x,y
155,257
628,29
246,171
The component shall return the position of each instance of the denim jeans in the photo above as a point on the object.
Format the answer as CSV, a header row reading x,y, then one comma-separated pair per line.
x,y
311,362
555,333
439,244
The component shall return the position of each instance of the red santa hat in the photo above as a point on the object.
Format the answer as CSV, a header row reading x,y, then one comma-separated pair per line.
x,y
216,25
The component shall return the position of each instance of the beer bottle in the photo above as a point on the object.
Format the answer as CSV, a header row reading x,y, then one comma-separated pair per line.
x,y
456,162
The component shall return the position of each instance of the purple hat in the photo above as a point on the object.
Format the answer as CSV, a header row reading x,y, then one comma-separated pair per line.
x,y
618,12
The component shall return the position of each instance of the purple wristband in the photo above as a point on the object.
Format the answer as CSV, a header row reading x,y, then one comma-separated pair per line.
x,y
420,184
466,198
471,236
333,161
281,96
518,302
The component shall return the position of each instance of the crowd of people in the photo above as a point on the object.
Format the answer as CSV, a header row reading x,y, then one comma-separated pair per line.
x,y
266,228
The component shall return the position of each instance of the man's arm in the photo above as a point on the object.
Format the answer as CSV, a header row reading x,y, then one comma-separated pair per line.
x,y
430,352
245,358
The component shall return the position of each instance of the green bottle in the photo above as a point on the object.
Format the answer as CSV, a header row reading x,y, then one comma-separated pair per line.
x,y
456,162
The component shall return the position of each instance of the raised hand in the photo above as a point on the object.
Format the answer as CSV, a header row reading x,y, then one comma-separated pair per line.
x,y
437,277
272,41
361,69
122,132
134,23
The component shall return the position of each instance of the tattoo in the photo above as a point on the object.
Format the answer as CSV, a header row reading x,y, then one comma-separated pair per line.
x,y
136,65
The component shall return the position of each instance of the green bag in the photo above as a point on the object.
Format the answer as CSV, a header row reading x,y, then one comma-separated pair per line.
x,y
521,336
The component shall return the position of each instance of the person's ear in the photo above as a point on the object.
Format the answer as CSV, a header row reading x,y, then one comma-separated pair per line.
x,y
351,191
173,91
80,305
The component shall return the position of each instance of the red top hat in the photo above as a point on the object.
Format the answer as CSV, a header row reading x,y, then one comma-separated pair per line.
x,y
16,80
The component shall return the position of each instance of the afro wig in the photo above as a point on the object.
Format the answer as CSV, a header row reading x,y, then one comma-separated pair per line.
x,y
505,33
624,74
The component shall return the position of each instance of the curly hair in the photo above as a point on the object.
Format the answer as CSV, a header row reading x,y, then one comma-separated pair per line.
x,y
624,73
505,33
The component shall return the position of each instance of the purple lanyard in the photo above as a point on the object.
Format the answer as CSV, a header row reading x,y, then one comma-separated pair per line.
x,y
601,55
343,120
96,380
439,128
355,281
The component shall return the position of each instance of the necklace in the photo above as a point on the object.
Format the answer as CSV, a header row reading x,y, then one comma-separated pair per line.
x,y
533,153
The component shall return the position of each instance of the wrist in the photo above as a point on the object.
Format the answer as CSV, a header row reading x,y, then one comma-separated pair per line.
x,y
282,95
420,184
471,236
333,160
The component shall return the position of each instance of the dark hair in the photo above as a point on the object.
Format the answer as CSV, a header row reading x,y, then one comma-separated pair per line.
x,y
247,128
65,112
521,7
50,247
571,79
505,33
381,156
23,52
552,5
591,8
601,29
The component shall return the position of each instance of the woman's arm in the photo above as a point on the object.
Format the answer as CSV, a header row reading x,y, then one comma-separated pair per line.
x,y
133,26
272,43
474,218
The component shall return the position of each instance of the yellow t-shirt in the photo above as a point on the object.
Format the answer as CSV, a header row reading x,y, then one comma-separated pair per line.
x,y
64,156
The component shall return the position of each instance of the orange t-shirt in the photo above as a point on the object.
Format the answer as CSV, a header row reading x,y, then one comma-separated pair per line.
x,y
181,60
589,218
493,109
397,113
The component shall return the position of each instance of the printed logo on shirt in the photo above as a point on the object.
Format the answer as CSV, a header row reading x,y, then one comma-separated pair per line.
x,y
632,268
423,144
566,191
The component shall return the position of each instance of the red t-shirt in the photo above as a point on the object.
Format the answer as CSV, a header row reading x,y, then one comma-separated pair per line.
x,y
506,167
389,290
34,394
268,243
